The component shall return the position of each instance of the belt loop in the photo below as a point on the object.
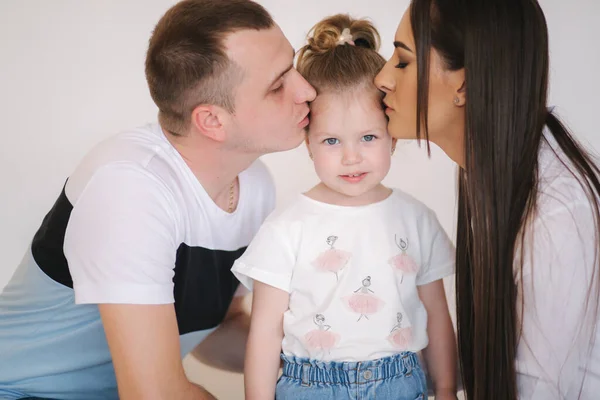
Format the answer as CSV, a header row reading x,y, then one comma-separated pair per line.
x,y
409,364
306,374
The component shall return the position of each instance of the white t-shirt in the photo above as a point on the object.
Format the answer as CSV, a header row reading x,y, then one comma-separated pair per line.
x,y
132,226
352,274
140,219
558,348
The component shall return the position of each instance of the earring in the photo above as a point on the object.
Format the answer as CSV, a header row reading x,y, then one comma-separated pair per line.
x,y
456,100
310,155
393,150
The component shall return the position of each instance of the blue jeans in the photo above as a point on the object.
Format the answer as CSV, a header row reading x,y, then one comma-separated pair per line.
x,y
398,377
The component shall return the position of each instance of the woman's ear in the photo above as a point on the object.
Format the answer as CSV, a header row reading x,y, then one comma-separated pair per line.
x,y
461,95
459,87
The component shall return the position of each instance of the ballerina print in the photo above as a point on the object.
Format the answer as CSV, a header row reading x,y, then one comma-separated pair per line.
x,y
403,262
400,337
363,301
321,338
332,260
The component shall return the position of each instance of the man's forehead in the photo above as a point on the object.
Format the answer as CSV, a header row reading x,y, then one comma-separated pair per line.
x,y
250,47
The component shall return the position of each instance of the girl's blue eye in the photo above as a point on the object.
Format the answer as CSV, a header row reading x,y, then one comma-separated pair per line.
x,y
369,138
331,141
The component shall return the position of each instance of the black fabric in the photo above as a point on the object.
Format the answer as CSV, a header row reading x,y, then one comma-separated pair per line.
x,y
204,286
47,245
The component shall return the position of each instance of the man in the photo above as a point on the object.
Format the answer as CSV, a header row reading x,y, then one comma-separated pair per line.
x,y
131,267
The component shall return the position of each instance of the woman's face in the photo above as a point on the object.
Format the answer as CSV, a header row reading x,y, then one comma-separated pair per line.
x,y
398,79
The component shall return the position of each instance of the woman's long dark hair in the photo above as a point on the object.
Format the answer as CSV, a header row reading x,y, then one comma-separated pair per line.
x,y
503,47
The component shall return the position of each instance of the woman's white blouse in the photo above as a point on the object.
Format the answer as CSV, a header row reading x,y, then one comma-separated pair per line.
x,y
558,355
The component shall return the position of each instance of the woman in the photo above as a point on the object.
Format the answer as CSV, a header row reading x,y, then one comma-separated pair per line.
x,y
472,77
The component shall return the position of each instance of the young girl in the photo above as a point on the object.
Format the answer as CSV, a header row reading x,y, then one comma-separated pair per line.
x,y
348,278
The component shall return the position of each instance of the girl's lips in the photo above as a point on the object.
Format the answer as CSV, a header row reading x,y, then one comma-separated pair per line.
x,y
354,178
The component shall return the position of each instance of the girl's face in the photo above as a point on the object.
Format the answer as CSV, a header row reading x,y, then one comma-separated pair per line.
x,y
350,145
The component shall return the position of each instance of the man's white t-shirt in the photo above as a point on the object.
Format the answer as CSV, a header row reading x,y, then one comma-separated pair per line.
x,y
352,274
132,225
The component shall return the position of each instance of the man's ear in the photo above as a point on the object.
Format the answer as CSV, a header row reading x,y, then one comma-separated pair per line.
x,y
208,120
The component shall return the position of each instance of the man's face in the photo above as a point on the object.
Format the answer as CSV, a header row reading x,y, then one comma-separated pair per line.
x,y
271,102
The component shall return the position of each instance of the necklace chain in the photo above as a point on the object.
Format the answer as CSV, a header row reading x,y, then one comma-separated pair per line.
x,y
231,197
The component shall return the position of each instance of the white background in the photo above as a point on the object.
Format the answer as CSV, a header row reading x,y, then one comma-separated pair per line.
x,y
72,73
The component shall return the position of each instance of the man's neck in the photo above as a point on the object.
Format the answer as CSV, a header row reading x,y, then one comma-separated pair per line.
x,y
215,167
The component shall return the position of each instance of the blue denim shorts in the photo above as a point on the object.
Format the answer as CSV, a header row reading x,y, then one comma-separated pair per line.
x,y
398,377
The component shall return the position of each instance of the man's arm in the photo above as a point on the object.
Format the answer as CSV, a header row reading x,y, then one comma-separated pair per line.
x,y
144,344
226,346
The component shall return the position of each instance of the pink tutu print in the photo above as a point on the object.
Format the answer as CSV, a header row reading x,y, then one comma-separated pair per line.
x,y
400,337
332,260
363,301
321,338
403,262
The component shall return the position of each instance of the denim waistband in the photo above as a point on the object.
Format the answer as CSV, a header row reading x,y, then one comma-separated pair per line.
x,y
334,372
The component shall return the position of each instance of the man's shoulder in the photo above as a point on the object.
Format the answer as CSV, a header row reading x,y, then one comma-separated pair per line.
x,y
142,151
139,146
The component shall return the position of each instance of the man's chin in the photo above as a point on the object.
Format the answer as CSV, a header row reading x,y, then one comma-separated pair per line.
x,y
291,144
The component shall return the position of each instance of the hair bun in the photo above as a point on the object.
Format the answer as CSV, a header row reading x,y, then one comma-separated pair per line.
x,y
341,53
341,30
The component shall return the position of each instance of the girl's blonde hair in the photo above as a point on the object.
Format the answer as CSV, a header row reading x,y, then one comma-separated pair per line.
x,y
341,54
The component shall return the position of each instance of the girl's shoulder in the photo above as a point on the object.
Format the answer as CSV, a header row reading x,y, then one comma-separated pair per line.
x,y
409,203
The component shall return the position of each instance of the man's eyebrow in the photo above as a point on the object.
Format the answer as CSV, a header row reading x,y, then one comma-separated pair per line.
x,y
289,67
398,44
281,74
